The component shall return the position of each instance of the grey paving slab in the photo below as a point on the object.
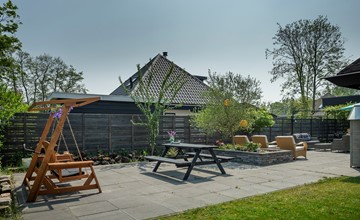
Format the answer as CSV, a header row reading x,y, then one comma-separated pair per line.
x,y
111,215
92,208
179,204
213,198
52,215
133,191
148,211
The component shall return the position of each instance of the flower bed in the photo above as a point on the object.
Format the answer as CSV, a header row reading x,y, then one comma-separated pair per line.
x,y
261,158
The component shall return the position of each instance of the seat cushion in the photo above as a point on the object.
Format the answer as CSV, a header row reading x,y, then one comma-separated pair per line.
x,y
299,148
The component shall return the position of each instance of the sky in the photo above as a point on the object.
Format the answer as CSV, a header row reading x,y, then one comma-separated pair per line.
x,y
107,39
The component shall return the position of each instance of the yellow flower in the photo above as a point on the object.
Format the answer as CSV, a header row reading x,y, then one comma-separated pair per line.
x,y
226,102
244,123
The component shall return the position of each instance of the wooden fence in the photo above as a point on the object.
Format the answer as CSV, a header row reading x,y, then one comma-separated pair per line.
x,y
98,132
116,133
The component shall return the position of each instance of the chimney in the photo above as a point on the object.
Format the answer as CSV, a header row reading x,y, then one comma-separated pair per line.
x,y
165,54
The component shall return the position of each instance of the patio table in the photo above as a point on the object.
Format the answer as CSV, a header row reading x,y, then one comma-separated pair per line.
x,y
196,151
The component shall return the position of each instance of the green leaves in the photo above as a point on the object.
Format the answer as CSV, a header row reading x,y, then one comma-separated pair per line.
x,y
10,103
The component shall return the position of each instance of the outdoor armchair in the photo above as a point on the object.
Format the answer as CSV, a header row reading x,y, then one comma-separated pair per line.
x,y
240,139
262,140
288,143
342,144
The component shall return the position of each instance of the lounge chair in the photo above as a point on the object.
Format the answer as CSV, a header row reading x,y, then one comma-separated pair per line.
x,y
342,144
262,140
306,137
288,143
240,139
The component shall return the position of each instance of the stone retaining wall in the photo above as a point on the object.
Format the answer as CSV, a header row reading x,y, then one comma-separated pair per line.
x,y
258,158
5,192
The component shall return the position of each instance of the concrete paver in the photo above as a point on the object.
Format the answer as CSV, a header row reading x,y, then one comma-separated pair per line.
x,y
132,191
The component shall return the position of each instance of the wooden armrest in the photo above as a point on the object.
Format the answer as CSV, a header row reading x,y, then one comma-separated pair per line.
x,y
66,165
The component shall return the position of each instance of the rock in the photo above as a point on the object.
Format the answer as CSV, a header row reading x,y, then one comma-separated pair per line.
x,y
5,201
5,195
104,162
96,163
125,160
112,161
118,159
5,179
6,188
107,159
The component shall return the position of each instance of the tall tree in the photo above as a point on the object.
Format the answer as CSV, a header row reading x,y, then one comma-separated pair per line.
x,y
306,51
242,89
9,23
44,74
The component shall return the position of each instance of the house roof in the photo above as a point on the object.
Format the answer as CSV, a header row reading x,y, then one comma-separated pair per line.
x,y
111,98
353,67
190,94
348,77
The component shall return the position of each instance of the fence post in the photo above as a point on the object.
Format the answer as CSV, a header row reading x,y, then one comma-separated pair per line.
x,y
189,127
109,134
25,133
83,131
132,132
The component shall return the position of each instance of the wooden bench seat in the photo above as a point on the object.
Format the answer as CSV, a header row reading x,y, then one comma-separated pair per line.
x,y
177,162
221,158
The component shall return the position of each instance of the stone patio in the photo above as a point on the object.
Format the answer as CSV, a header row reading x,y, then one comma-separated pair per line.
x,y
132,191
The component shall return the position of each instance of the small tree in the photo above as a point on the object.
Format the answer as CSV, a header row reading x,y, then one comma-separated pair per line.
x,y
154,105
220,116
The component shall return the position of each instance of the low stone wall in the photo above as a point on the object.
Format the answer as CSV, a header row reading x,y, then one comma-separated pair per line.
x,y
5,192
258,158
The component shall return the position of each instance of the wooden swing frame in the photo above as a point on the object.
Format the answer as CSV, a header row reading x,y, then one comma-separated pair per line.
x,y
42,183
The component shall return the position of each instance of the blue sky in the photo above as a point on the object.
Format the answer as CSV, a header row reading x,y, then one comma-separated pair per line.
x,y
106,39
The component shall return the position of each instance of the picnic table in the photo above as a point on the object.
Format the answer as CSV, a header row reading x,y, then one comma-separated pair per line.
x,y
199,154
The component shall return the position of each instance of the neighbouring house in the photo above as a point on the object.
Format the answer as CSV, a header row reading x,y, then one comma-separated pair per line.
x,y
190,95
118,102
330,100
348,77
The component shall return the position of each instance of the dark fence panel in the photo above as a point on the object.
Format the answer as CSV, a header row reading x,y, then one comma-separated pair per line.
x,y
116,132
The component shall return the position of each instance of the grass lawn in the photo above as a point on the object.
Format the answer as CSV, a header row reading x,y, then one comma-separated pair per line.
x,y
331,198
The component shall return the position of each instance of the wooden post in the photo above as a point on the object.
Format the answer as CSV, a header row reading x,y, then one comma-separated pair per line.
x,y
48,155
132,132
109,134
34,159
83,131
188,121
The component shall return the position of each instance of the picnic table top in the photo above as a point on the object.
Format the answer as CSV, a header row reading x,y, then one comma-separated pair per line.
x,y
187,145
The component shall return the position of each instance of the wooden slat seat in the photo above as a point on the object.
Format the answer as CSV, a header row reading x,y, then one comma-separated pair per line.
x,y
70,172
221,158
177,162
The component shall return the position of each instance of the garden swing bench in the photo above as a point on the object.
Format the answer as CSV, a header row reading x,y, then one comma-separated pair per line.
x,y
46,165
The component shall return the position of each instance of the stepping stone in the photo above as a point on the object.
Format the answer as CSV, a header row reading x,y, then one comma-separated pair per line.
x,y
5,201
